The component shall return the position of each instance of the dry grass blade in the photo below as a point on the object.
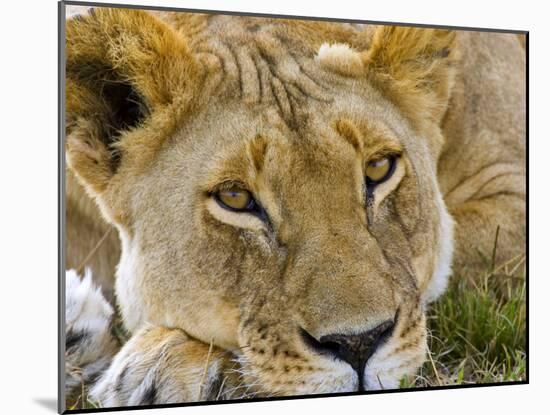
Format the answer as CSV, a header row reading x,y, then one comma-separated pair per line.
x,y
434,368
494,254
93,251
221,388
205,371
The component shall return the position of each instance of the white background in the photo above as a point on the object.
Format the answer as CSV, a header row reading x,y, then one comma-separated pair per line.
x,y
28,217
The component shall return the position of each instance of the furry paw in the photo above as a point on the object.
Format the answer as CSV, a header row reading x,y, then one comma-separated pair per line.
x,y
160,365
89,345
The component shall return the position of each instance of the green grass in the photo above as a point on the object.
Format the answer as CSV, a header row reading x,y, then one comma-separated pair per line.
x,y
478,329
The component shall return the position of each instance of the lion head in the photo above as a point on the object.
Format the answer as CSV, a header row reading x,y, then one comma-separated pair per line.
x,y
273,183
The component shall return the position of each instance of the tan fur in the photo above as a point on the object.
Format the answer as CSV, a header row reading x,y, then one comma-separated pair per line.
x,y
247,101
482,165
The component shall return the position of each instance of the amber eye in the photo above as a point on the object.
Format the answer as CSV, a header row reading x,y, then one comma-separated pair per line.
x,y
236,199
380,170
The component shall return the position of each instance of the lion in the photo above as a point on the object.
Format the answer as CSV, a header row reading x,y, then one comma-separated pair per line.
x,y
288,196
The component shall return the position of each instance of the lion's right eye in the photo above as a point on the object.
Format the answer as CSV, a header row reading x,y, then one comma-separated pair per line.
x,y
236,199
380,170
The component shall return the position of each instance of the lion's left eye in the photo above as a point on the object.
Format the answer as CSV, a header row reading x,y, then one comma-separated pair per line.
x,y
236,199
379,170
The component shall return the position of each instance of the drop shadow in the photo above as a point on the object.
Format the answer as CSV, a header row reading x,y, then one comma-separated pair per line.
x,y
48,403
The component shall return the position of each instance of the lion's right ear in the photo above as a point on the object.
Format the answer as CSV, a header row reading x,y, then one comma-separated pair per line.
x,y
123,68
415,67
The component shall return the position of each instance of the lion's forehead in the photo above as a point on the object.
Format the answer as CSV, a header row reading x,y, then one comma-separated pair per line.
x,y
274,68
263,67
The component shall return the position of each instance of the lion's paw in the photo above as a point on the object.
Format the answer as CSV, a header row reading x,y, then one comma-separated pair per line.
x,y
161,365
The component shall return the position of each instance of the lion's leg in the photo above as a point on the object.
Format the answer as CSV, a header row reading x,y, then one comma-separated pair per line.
x,y
477,221
163,365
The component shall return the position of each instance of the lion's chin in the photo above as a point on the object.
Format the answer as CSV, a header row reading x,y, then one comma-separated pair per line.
x,y
323,383
348,384
374,378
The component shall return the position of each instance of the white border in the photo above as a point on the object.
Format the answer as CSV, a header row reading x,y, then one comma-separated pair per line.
x,y
29,204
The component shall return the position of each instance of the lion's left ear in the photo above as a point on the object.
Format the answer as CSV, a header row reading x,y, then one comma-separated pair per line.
x,y
129,77
415,67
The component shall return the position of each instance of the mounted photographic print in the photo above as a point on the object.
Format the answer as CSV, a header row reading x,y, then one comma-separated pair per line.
x,y
271,207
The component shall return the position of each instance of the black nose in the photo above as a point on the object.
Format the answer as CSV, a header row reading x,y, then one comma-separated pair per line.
x,y
354,349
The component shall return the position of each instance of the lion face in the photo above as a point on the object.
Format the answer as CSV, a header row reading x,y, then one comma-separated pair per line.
x,y
300,226
323,252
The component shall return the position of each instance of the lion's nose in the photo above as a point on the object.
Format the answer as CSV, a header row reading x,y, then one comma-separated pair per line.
x,y
354,349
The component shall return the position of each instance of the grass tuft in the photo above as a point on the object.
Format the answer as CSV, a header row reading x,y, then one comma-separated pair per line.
x,y
478,329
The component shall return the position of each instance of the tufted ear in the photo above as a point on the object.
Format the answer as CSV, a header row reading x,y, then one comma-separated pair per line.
x,y
125,69
415,67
